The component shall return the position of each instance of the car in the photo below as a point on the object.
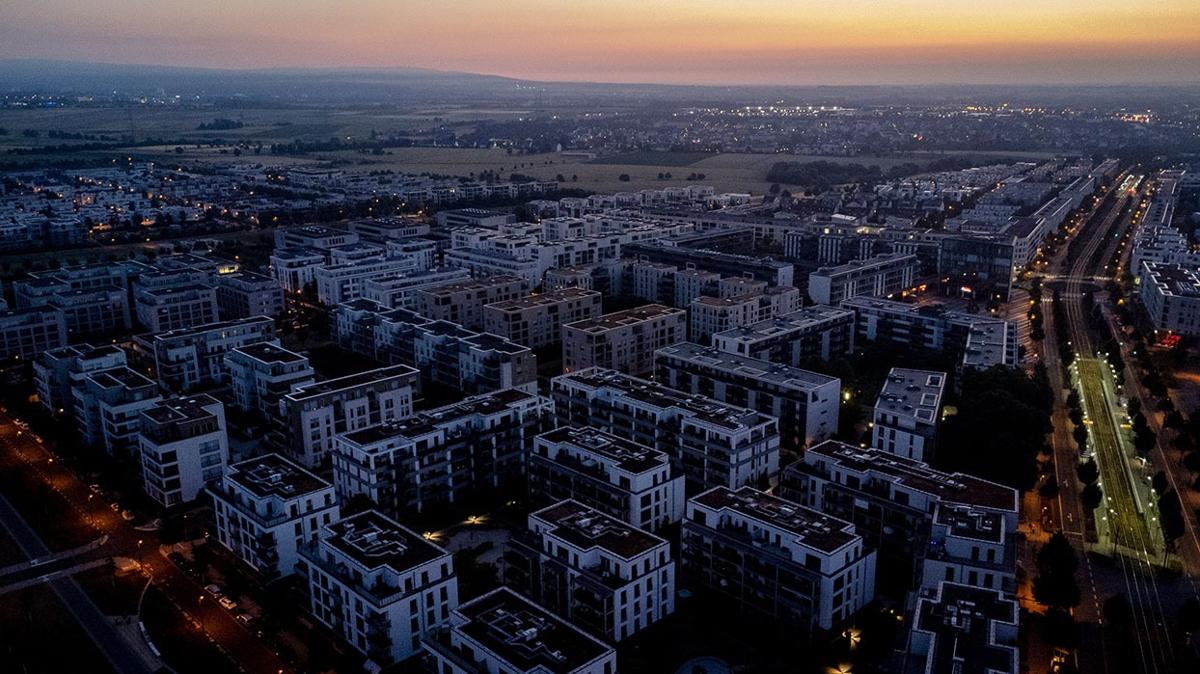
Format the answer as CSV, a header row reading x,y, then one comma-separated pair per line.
x,y
127,515
227,603
115,507
244,618
213,589
94,488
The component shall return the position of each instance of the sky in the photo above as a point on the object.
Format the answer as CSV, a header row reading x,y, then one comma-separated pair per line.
x,y
796,42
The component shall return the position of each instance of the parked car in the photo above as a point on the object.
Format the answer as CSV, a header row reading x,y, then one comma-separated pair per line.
x,y
227,603
245,619
213,589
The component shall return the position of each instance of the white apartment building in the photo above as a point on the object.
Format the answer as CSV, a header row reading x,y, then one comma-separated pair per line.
x,y
631,482
623,340
907,412
176,307
24,333
108,408
262,373
537,321
880,276
789,562
295,268
502,631
709,315
596,571
266,508
401,289
711,443
313,415
1171,295
805,403
462,301
243,294
811,333
379,585
313,236
93,313
469,451
58,371
337,283
184,447
194,357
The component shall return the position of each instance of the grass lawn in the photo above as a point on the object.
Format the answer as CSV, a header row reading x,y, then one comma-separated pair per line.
x,y
651,158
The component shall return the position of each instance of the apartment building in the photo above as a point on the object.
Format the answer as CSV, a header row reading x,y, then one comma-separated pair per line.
x,y
400,289
921,520
184,447
537,321
623,340
262,373
907,412
777,558
244,294
1171,295
176,307
502,631
710,443
462,301
311,416
631,482
58,371
378,585
817,332
266,508
954,625
315,237
191,358
108,408
599,573
446,353
805,403
24,333
880,276
471,450
337,283
102,312
295,268
982,341
709,315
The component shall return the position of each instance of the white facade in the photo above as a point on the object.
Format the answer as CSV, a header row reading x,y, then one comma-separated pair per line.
x,y
379,585
184,447
623,340
907,413
260,374
266,508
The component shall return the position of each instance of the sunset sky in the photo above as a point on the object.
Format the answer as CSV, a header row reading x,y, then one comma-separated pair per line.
x,y
676,41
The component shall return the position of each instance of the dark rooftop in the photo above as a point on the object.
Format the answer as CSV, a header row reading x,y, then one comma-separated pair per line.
x,y
373,540
273,475
811,527
586,528
628,455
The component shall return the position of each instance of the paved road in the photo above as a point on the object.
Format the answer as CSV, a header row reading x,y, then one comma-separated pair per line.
x,y
120,655
124,540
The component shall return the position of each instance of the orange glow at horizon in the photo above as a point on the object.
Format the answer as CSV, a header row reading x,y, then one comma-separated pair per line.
x,y
693,41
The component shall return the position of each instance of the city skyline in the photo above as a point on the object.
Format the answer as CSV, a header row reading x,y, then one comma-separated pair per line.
x,y
768,43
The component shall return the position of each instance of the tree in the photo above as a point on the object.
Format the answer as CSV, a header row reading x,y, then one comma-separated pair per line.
x,y
1091,496
1189,615
1049,488
1118,613
624,177
1088,471
1055,584
1080,434
1059,629
1159,482
1170,514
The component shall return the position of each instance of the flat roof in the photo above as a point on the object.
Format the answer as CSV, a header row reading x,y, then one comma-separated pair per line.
x,y
965,521
949,487
273,475
374,540
628,455
587,528
424,422
351,381
525,635
178,410
755,369
270,353
699,406
912,393
628,317
121,376
962,621
817,315
210,327
467,285
544,299
811,527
